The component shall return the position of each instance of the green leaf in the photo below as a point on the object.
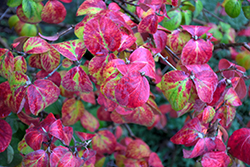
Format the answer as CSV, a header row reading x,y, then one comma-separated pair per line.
x,y
174,21
10,154
233,8
187,17
14,3
246,10
198,8
29,8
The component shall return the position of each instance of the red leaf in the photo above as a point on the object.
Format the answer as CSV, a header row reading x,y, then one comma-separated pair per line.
x,y
239,87
76,79
219,91
68,159
35,136
42,94
57,154
36,45
196,52
144,56
232,98
84,136
137,149
28,119
196,30
37,158
20,64
7,65
55,77
56,130
244,32
90,7
68,131
148,24
188,133
50,60
201,147
215,159
132,90
103,115
73,49
239,144
101,35
154,160
225,64
35,61
89,122
205,81
53,12
160,38
5,135
104,142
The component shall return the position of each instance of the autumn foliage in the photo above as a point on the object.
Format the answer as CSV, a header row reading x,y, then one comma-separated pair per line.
x,y
130,43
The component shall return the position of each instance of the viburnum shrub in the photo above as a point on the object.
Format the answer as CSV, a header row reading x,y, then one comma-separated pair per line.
x,y
140,48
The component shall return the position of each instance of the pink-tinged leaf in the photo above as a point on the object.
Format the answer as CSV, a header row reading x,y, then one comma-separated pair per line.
x,y
5,135
24,148
103,115
239,144
96,66
176,87
154,160
41,94
226,114
7,64
137,149
89,122
19,99
225,64
55,78
201,147
57,154
68,159
123,111
73,49
66,1
88,97
50,60
208,114
68,131
84,136
104,142
134,162
215,159
72,111
239,87
126,42
25,118
53,12
232,98
132,90
76,79
35,136
5,110
50,38
205,81
66,63
144,56
196,52
244,32
188,133
101,35
196,30
37,158
148,24
20,64
108,104
80,27
36,10
177,40
89,158
219,91
91,7
35,61
56,130
36,45
160,38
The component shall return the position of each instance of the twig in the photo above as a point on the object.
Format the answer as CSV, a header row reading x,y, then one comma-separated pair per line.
x,y
6,11
205,10
164,59
130,3
50,74
199,21
129,131
226,69
136,19
239,119
169,50
222,45
4,43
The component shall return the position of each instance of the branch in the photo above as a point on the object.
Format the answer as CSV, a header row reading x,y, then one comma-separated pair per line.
x,y
136,19
50,74
6,11
225,46
169,50
129,131
199,21
205,10
164,59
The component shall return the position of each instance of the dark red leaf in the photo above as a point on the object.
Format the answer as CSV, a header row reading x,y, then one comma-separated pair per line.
x,y
56,130
84,136
196,30
215,159
5,135
148,24
37,158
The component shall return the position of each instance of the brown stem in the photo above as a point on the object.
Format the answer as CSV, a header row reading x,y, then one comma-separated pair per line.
x,y
6,11
136,19
131,134
223,46
205,10
199,21
169,50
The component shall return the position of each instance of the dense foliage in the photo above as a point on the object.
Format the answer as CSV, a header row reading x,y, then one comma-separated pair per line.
x,y
176,67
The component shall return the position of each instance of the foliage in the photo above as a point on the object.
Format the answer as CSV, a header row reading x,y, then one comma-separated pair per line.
x,y
71,102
